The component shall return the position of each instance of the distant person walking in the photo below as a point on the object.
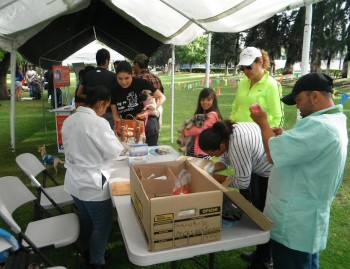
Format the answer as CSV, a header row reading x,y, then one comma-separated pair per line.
x,y
18,83
31,77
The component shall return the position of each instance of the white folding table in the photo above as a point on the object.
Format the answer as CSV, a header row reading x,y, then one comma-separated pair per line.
x,y
242,234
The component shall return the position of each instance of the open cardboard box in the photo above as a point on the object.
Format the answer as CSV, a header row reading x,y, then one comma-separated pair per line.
x,y
171,221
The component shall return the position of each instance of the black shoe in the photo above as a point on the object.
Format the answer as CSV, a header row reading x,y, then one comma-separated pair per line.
x,y
247,256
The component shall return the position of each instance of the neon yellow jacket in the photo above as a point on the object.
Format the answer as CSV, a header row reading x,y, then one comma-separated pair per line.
x,y
267,93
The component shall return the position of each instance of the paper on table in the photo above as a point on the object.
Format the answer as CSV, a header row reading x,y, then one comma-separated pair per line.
x,y
120,187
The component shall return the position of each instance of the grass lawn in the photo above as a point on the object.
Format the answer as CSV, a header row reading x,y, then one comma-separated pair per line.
x,y
35,126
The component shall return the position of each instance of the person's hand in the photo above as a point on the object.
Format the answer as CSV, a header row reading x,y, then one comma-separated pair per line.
x,y
141,115
258,114
277,130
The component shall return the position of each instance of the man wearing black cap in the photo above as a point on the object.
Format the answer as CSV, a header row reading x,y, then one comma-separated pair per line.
x,y
308,167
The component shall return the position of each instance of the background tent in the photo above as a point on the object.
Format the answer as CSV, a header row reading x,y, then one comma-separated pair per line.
x,y
87,54
48,31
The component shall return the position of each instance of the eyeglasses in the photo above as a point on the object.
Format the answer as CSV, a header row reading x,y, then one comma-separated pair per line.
x,y
248,67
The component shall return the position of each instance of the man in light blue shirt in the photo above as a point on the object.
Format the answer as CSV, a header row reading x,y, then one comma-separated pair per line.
x,y
308,167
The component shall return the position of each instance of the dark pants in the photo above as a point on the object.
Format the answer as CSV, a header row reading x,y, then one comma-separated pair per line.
x,y
152,131
258,189
109,117
286,258
95,219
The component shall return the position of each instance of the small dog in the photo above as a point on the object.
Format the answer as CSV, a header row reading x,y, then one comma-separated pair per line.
x,y
185,142
149,103
49,160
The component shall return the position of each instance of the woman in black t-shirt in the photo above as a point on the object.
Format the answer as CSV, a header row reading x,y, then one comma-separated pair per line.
x,y
126,99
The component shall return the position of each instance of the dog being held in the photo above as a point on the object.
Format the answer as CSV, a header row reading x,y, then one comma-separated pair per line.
x,y
49,160
185,142
149,103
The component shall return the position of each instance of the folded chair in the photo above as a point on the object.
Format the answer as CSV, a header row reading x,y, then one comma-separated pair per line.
x,y
53,232
48,197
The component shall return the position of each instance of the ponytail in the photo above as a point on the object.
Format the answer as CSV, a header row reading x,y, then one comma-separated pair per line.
x,y
211,138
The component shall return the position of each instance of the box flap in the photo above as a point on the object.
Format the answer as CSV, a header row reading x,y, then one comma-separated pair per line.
x,y
256,215
251,211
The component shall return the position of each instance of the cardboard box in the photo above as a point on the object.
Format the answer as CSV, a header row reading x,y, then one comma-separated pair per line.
x,y
172,221
177,221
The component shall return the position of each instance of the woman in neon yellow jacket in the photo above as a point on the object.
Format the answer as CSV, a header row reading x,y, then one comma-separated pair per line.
x,y
257,87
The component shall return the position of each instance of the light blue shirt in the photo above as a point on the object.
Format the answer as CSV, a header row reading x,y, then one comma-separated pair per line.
x,y
308,167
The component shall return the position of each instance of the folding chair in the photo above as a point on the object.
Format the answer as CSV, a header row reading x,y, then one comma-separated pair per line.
x,y
53,196
57,231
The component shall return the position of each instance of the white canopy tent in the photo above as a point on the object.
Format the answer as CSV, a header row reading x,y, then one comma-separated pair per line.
x,y
87,54
176,22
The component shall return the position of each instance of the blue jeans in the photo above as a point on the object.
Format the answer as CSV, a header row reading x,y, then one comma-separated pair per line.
x,y
95,219
31,89
286,258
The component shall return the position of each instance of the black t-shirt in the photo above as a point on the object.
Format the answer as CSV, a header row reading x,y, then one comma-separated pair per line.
x,y
127,100
100,77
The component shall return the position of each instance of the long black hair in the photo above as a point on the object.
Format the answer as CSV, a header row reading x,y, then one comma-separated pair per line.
x,y
215,107
211,138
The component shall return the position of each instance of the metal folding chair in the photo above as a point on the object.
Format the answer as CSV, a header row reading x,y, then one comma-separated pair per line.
x,y
57,231
48,197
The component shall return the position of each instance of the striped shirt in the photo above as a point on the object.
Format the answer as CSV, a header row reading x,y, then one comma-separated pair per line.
x,y
246,154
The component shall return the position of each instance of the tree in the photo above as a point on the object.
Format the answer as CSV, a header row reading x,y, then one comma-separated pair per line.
x,y
346,36
295,33
225,49
162,55
5,58
195,52
329,20
271,35
4,67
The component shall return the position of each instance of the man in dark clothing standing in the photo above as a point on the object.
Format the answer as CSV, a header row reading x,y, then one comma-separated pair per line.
x,y
100,76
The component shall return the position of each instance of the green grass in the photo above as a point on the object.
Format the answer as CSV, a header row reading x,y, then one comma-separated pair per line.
x,y
30,133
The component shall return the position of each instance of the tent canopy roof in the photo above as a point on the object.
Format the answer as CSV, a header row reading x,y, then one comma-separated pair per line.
x,y
48,31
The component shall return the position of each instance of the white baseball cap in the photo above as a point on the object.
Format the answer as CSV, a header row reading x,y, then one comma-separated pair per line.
x,y
248,56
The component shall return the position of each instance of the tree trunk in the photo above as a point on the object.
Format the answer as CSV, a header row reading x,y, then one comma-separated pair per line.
x,y
328,65
288,68
4,67
345,70
226,68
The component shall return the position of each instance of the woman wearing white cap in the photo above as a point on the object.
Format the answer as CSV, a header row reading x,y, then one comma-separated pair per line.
x,y
257,87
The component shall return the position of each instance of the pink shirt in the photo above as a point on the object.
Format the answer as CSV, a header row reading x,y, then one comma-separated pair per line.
x,y
196,131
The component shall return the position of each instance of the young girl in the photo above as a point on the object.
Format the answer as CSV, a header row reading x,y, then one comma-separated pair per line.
x,y
207,104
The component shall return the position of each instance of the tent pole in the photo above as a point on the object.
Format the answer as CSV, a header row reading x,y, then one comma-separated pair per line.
x,y
207,68
42,98
172,91
305,58
13,100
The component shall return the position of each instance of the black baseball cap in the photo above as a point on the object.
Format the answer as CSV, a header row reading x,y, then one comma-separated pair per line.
x,y
309,82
